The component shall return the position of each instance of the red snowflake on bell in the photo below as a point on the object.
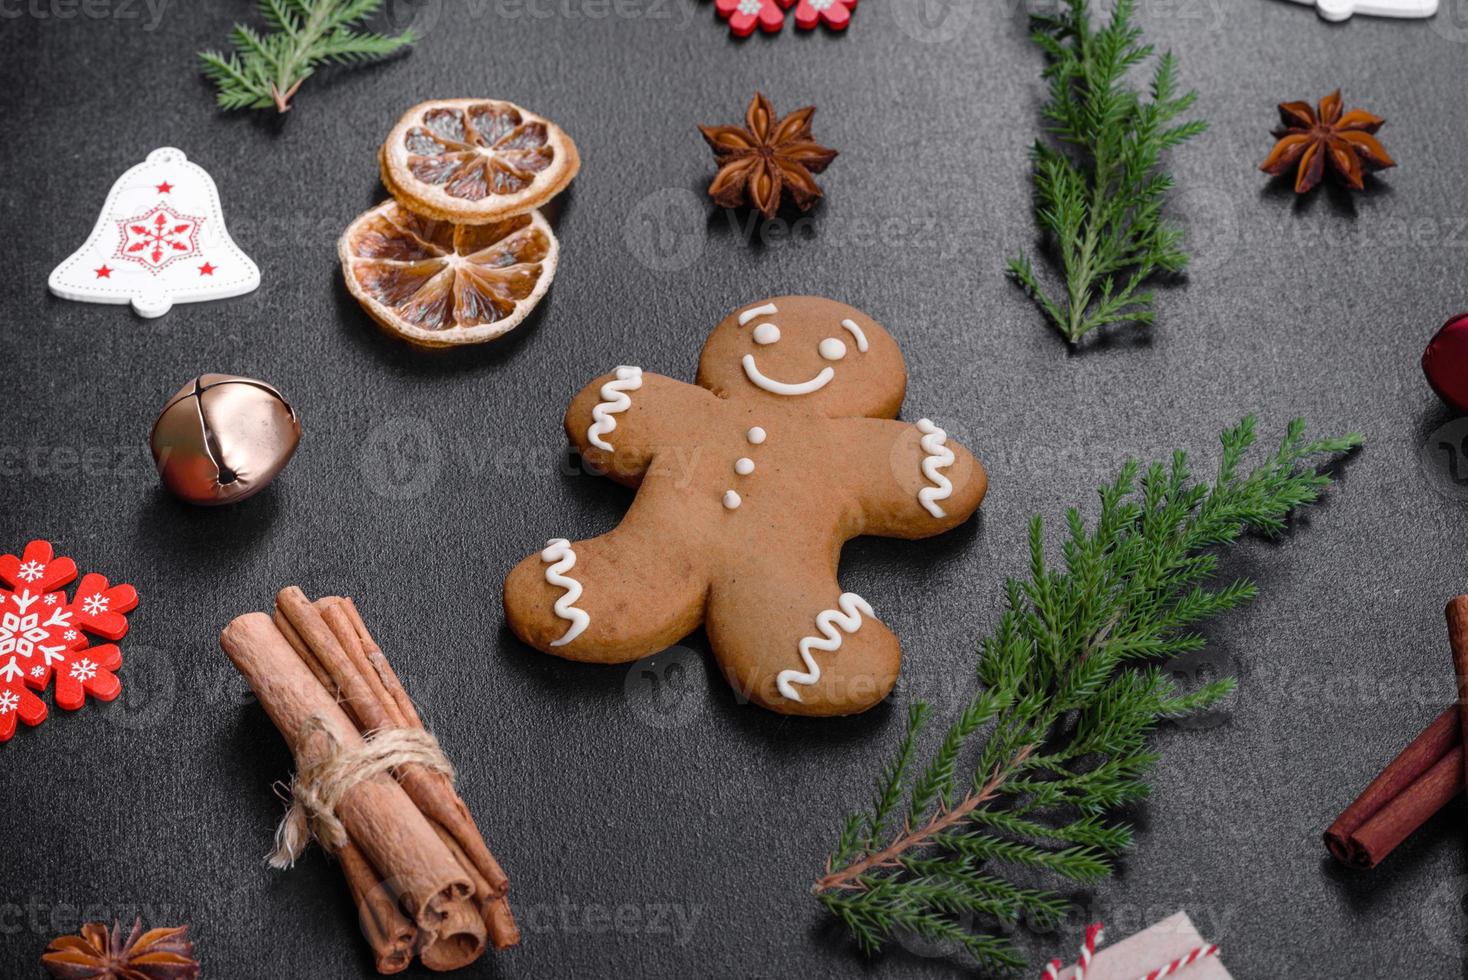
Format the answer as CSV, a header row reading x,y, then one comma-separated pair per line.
x,y
835,14
744,15
158,237
44,636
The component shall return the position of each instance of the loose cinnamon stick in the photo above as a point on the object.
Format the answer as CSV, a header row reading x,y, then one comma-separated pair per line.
x,y
389,933
1414,806
502,929
379,661
304,652
1457,615
377,814
355,680
1391,788
458,942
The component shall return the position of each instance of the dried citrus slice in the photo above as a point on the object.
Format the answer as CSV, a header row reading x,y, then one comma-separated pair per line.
x,y
438,284
472,161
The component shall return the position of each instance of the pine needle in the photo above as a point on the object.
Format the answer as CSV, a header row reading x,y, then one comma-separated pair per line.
x,y
265,71
1099,191
1070,691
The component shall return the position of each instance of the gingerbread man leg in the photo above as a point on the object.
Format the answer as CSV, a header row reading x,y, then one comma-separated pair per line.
x,y
609,599
788,639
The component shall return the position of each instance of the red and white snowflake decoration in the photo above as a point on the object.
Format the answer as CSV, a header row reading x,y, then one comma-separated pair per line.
x,y
835,14
158,237
43,635
769,15
744,15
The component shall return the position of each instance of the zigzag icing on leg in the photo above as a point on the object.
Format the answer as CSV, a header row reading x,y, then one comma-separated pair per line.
x,y
848,618
558,551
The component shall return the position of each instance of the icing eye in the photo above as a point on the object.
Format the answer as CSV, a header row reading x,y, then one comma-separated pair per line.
x,y
766,333
832,349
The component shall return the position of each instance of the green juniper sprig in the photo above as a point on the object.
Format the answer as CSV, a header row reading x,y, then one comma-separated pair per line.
x,y
265,71
1099,195
1070,690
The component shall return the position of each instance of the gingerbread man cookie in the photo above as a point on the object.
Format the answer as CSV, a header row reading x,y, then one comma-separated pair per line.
x,y
748,485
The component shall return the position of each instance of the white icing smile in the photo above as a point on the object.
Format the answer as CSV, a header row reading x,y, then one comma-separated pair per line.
x,y
831,349
753,373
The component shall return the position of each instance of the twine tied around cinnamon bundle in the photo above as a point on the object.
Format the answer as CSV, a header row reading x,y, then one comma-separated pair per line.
x,y
316,790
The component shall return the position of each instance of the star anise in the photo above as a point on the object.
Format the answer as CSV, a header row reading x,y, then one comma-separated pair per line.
x,y
1309,140
158,954
767,158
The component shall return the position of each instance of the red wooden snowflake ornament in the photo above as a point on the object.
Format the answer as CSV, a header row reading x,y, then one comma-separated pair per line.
x,y
43,635
744,15
835,14
769,15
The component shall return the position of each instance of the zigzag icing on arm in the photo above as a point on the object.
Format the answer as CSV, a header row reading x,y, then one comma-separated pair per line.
x,y
848,618
558,551
614,400
938,457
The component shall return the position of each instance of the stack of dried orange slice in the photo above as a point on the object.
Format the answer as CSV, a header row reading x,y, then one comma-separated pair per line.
x,y
461,254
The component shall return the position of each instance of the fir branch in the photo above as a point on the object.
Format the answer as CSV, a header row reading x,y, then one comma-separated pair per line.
x,y
265,71
1070,692
1099,194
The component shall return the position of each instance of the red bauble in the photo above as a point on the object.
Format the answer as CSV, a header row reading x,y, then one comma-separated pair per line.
x,y
1445,362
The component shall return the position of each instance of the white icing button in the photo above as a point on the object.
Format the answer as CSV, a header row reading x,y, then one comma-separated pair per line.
x,y
766,333
756,436
744,466
731,499
832,349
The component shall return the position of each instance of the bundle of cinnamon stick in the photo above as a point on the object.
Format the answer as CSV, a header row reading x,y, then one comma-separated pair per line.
x,y
372,785
1426,776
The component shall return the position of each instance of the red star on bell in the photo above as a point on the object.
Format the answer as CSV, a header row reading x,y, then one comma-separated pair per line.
x,y
104,272
164,187
206,269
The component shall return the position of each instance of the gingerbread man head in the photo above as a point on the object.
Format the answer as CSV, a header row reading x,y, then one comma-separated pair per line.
x,y
748,485
825,357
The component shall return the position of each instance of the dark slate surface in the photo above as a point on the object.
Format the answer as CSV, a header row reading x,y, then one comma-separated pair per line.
x,y
654,826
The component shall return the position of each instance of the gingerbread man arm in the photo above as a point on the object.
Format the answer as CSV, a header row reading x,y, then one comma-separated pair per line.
x,y
911,479
613,598
624,418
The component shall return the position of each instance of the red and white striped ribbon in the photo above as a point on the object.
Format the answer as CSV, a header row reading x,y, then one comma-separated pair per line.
x,y
1094,932
1093,939
1201,953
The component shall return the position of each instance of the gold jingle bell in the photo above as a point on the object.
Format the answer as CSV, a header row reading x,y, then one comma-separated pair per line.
x,y
223,438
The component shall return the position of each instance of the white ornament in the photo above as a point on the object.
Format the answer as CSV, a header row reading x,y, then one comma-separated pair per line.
x,y
159,240
1343,9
